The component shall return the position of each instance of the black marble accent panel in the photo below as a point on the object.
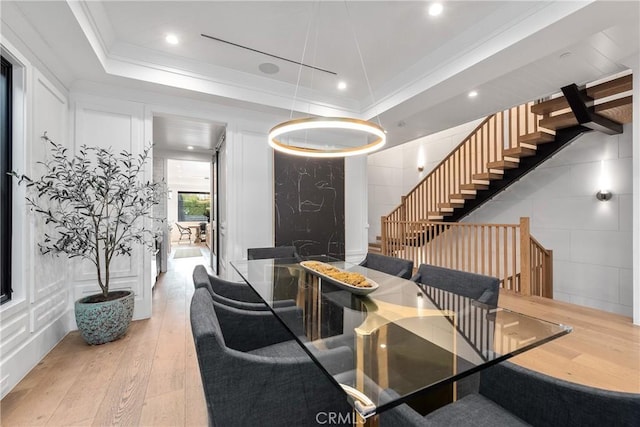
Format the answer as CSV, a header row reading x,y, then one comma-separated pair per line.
x,y
309,204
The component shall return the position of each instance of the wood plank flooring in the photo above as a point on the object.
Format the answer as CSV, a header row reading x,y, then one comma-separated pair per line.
x,y
603,350
150,377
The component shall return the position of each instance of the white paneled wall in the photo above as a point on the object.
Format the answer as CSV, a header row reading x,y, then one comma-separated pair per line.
x,y
118,124
591,240
355,208
394,172
39,312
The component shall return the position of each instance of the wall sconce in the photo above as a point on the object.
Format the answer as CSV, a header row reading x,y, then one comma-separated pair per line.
x,y
420,168
605,182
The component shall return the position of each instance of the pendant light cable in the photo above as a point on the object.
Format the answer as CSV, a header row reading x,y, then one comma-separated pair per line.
x,y
304,51
364,69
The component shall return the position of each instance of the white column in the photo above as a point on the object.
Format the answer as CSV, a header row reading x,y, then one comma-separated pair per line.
x,y
634,64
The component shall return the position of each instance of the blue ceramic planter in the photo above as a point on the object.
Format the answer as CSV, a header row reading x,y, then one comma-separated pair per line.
x,y
102,322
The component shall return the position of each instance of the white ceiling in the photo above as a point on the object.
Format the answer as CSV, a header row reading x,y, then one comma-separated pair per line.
x,y
420,68
184,133
188,175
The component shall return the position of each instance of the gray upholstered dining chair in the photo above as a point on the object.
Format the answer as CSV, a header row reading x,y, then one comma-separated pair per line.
x,y
484,289
234,294
251,386
511,395
395,266
273,252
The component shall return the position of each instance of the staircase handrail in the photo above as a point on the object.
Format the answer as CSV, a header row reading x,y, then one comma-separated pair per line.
x,y
506,251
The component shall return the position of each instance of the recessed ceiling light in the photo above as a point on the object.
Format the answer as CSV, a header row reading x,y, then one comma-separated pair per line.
x,y
473,94
171,39
435,9
565,55
342,85
190,147
268,68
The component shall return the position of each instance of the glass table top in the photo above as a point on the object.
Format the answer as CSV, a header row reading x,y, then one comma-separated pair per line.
x,y
405,339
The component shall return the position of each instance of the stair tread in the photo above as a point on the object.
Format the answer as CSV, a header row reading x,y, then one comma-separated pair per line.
x,y
473,186
487,176
453,205
560,121
619,110
502,164
550,105
519,152
539,137
612,87
463,196
438,213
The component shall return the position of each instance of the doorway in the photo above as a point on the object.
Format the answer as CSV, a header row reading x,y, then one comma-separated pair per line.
x,y
189,206
185,158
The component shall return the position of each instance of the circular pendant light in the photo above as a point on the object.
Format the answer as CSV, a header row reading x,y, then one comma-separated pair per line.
x,y
299,148
342,137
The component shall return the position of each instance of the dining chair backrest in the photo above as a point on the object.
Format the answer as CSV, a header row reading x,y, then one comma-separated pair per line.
x,y
543,400
234,294
273,252
391,265
484,289
242,388
512,395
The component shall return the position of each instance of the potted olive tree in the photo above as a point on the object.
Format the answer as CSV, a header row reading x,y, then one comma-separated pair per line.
x,y
96,204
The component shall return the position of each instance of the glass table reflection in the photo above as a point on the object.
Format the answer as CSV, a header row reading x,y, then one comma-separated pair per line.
x,y
406,340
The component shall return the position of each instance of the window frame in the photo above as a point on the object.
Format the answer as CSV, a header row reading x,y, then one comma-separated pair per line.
x,y
6,184
180,212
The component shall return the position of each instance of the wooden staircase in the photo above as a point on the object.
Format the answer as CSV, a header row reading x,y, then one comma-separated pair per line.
x,y
508,144
503,148
376,247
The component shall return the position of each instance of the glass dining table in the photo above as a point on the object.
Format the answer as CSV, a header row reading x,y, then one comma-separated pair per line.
x,y
409,343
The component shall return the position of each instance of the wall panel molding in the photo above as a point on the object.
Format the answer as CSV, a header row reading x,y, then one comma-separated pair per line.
x,y
14,333
46,312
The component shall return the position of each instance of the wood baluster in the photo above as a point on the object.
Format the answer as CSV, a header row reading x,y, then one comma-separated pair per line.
x,y
525,257
497,234
513,258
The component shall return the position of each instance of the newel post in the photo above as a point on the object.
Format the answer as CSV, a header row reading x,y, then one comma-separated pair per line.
x,y
525,257
403,218
383,235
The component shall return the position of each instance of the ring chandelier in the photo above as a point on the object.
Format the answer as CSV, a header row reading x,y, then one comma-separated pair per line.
x,y
326,123
363,127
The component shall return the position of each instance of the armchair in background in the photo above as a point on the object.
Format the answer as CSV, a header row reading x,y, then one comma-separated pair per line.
x,y
184,231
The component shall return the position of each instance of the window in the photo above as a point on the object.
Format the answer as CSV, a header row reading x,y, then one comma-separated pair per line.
x,y
194,206
6,88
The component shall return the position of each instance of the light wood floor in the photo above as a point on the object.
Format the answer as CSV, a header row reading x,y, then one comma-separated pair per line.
x,y
602,351
151,377
148,378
